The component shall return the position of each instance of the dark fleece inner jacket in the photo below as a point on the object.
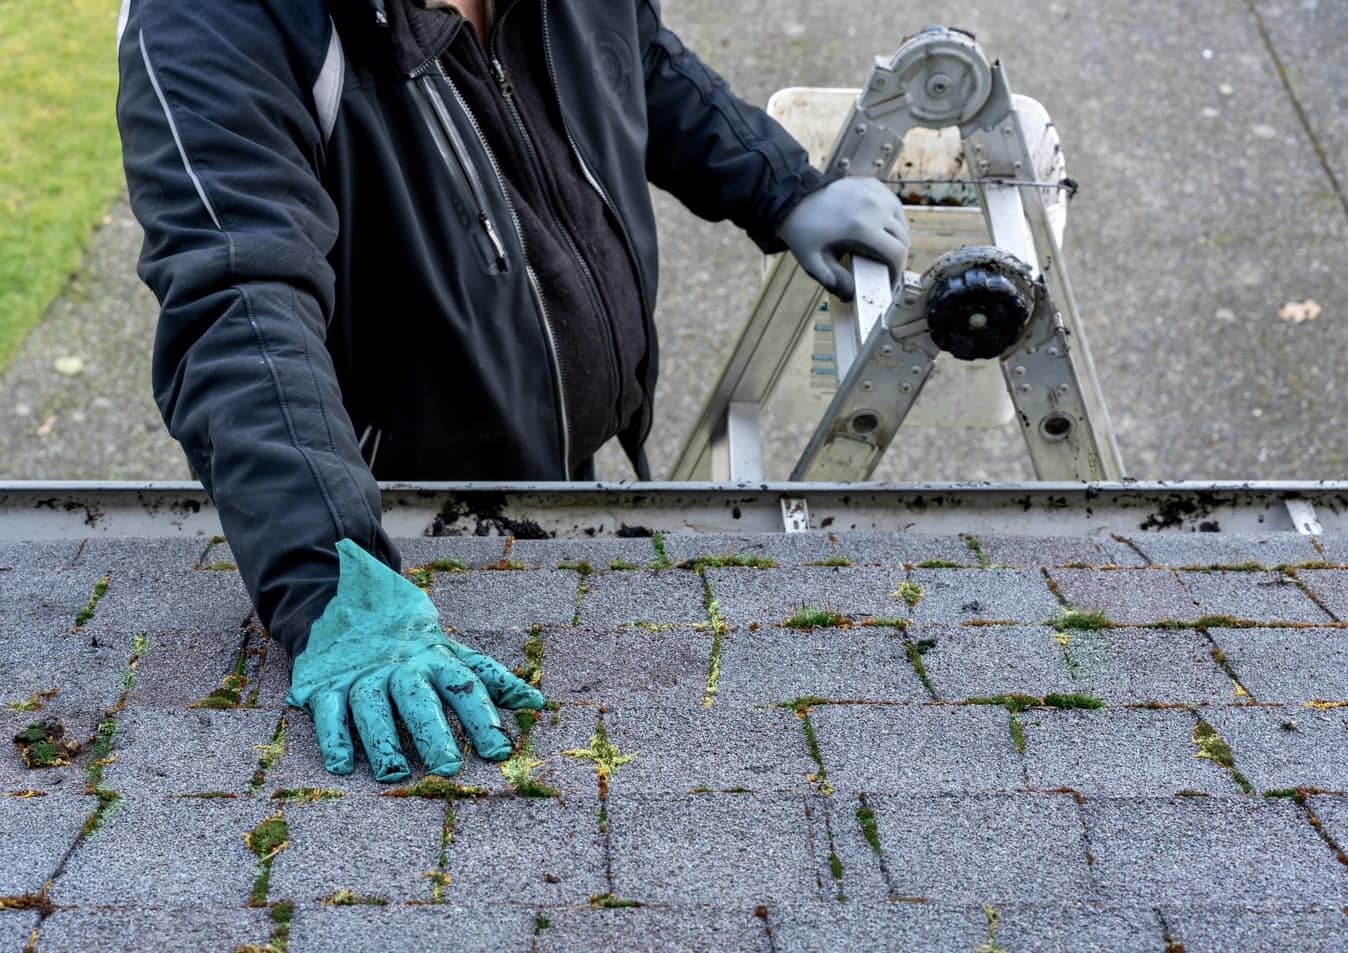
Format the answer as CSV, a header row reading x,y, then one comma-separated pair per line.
x,y
383,251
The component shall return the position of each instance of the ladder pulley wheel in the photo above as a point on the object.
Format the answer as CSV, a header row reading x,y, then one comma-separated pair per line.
x,y
978,314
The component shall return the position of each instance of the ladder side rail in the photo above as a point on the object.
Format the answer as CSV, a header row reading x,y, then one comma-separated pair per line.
x,y
875,396
1060,286
785,305
996,147
1043,381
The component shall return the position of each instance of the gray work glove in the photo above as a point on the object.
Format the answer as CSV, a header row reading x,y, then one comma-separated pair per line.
x,y
857,214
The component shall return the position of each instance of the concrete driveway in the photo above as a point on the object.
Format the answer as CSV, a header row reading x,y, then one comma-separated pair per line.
x,y
1210,139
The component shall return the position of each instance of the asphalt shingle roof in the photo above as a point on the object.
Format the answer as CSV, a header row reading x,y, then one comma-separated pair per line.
x,y
947,760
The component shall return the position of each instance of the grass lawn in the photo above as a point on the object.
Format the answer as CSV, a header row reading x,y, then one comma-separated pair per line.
x,y
60,160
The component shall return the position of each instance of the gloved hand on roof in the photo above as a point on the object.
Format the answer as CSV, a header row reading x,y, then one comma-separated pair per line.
x,y
378,646
857,215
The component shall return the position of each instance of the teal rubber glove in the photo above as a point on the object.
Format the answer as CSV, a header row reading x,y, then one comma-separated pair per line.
x,y
857,215
378,645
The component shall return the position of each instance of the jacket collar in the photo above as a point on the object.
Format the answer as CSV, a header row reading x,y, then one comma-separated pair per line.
x,y
418,35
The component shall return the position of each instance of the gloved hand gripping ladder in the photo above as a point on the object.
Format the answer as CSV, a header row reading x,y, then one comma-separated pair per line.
x,y
1011,300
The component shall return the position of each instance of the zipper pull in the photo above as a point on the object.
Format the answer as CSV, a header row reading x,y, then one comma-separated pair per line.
x,y
502,80
497,246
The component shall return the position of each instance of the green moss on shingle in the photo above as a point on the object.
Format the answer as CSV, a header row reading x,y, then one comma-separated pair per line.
x,y
1079,619
729,560
869,829
910,592
808,618
87,612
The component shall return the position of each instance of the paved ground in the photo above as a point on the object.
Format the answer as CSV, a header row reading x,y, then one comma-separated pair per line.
x,y
938,766
1212,150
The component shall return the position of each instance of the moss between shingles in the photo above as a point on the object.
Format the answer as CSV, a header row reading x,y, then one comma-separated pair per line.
x,y
1323,704
582,566
915,651
1308,564
439,877
269,838
1064,642
268,754
820,775
729,561
520,769
505,564
349,898
942,564
87,613
1081,619
910,592
869,829
1016,702
836,870
534,649
1209,622
109,801
808,618
610,901
447,565
1224,664
836,562
433,787
885,622
1300,796
424,574
34,702
605,756
43,744
976,547
230,693
1212,746
210,545
661,560
990,945
307,795
208,796
582,590
1222,567
38,901
716,622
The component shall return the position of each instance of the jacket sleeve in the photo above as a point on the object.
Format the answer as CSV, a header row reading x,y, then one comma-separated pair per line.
x,y
221,144
719,155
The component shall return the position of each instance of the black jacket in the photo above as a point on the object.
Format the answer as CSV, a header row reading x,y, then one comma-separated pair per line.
x,y
334,253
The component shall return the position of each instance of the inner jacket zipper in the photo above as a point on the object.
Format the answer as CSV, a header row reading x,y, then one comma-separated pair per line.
x,y
461,169
438,105
591,286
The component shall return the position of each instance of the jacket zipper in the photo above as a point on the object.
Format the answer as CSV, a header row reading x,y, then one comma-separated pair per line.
x,y
591,286
648,416
564,419
465,171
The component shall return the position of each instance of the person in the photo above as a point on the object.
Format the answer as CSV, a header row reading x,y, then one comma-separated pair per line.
x,y
414,240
